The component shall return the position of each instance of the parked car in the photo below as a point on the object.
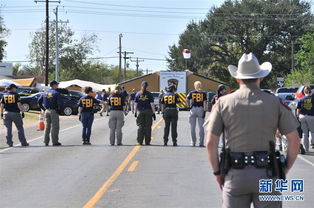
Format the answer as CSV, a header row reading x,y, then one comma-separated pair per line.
x,y
73,97
30,102
300,94
287,90
70,105
287,97
26,91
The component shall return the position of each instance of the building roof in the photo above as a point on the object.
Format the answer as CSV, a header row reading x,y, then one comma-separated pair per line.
x,y
39,79
25,82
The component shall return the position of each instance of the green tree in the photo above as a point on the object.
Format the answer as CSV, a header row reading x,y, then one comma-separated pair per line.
x,y
3,34
304,73
37,52
265,28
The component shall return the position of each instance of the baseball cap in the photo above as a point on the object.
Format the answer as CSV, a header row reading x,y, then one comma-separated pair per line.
x,y
54,82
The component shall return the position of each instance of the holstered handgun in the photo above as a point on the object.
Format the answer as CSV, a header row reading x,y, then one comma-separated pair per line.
x,y
277,162
224,161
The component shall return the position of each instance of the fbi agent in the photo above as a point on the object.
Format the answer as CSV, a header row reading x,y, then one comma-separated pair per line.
x,y
305,112
86,113
170,114
197,99
11,104
117,106
144,104
249,118
51,102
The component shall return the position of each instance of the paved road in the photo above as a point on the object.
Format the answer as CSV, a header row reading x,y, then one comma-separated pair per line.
x,y
126,176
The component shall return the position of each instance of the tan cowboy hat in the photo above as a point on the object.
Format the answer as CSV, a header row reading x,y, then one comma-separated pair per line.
x,y
249,68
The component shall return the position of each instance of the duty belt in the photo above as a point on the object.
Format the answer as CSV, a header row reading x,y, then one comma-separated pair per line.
x,y
170,108
259,159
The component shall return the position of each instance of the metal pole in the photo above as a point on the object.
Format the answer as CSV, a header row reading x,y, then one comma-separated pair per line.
x,y
57,46
137,65
186,64
124,56
120,57
47,44
292,55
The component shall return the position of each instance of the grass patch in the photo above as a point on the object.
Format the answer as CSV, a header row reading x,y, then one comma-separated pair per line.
x,y
32,115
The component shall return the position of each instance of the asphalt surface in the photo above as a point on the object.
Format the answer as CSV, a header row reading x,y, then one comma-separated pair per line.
x,y
121,176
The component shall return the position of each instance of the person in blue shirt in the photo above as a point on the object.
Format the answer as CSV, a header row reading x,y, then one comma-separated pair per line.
x,y
51,102
221,91
305,113
86,113
126,97
132,100
197,99
144,104
117,106
169,110
10,109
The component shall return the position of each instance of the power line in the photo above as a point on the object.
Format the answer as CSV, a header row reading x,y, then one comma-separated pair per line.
x,y
131,6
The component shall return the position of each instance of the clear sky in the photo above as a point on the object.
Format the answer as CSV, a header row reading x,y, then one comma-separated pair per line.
x,y
148,26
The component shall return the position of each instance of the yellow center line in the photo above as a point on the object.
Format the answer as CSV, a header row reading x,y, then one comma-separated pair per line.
x,y
101,191
133,166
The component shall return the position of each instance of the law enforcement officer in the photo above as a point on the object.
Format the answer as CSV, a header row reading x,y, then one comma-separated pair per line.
x,y
197,99
160,96
305,113
51,101
144,104
170,114
116,120
10,109
132,99
86,113
125,95
221,91
249,118
105,96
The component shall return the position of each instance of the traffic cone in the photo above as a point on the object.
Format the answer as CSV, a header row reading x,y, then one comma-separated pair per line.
x,y
41,122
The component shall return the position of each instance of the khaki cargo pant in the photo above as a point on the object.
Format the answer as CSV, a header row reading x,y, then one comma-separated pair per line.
x,y
116,122
307,125
52,125
241,188
197,113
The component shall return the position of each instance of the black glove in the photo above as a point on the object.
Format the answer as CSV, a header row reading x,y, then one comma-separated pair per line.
x,y
204,114
135,114
80,117
154,116
2,115
23,115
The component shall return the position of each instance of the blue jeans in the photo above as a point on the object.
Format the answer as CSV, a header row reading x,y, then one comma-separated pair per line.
x,y
87,119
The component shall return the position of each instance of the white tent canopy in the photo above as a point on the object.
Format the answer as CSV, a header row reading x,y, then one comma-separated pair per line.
x,y
82,83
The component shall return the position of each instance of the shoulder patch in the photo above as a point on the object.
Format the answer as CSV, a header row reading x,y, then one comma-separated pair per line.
x,y
282,102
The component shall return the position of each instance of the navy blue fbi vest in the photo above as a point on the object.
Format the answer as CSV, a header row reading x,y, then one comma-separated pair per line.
x,y
87,103
170,100
197,98
10,100
116,102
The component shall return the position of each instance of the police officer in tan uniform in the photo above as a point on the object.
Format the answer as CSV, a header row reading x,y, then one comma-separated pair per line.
x,y
249,119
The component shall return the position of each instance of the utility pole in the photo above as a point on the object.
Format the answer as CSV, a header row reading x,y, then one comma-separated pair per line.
x,y
120,57
137,64
57,43
292,56
47,39
125,53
